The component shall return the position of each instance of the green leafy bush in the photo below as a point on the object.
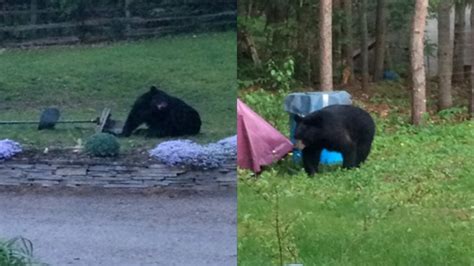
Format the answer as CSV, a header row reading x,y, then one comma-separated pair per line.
x,y
281,76
102,145
451,113
270,107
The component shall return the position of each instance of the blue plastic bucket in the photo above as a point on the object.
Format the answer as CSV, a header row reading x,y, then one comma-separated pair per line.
x,y
327,157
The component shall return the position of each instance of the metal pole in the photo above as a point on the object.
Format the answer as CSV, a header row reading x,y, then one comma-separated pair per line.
x,y
58,122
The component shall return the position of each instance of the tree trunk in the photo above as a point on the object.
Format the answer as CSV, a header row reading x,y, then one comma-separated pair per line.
x,y
471,100
347,31
388,57
459,33
276,14
250,46
242,8
303,65
250,9
337,35
380,41
325,37
445,56
417,62
364,44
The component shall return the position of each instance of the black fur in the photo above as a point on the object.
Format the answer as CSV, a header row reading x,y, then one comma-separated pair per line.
x,y
165,116
343,128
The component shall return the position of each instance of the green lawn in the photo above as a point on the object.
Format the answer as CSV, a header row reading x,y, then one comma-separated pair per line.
x,y
411,203
81,80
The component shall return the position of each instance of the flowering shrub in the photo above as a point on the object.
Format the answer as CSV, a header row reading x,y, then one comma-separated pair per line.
x,y
186,152
8,149
229,145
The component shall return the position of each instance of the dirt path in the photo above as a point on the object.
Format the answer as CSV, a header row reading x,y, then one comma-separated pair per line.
x,y
122,228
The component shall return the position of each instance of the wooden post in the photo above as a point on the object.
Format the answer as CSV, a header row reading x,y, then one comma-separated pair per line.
x,y
3,8
128,15
33,11
33,16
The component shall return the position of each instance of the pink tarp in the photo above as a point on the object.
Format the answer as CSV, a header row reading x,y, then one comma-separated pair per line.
x,y
258,143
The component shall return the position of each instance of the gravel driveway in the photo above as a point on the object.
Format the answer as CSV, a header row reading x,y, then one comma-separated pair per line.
x,y
100,227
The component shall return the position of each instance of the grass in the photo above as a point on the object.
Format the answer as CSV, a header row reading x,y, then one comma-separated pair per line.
x,y
82,80
17,252
411,203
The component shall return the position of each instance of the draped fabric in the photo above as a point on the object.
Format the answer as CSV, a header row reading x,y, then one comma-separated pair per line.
x,y
258,142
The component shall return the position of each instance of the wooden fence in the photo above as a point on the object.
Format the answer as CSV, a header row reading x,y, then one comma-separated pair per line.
x,y
47,22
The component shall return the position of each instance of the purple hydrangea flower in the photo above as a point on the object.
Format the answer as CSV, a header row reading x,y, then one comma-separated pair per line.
x,y
229,145
186,152
8,149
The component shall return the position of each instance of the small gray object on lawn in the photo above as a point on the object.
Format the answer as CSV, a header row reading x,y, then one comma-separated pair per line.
x,y
48,119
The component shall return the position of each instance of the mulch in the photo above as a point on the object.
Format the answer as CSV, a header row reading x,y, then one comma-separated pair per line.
x,y
135,157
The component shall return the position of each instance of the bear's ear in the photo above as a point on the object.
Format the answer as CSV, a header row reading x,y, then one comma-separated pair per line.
x,y
315,120
298,119
153,89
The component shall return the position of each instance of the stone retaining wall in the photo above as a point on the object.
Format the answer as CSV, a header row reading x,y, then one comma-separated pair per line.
x,y
65,173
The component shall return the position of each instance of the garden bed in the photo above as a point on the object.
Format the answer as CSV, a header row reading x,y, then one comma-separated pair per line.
x,y
132,170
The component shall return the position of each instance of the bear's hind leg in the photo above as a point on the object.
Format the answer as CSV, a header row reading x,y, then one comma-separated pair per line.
x,y
184,123
350,157
362,153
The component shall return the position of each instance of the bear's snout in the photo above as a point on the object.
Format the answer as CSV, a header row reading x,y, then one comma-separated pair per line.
x,y
299,144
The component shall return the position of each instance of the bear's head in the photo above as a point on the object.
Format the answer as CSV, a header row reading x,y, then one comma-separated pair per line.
x,y
307,131
159,100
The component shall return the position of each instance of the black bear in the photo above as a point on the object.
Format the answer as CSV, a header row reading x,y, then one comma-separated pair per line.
x,y
343,128
165,116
